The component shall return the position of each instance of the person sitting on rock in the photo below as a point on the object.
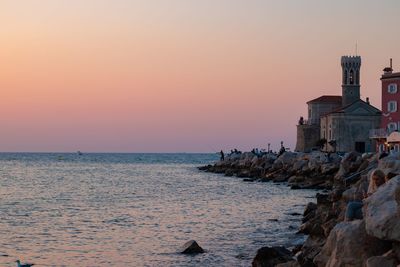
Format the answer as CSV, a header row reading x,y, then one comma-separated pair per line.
x,y
354,208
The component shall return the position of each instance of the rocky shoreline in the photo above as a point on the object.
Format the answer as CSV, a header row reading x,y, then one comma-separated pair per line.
x,y
331,241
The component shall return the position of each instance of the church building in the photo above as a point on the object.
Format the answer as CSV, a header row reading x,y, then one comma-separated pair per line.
x,y
343,121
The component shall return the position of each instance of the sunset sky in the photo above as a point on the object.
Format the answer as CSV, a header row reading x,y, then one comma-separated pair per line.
x,y
179,75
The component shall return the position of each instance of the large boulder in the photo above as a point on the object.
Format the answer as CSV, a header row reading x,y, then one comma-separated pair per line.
x,y
316,159
329,168
389,164
286,159
255,161
191,247
389,259
270,157
356,192
310,207
349,245
364,165
233,156
299,164
382,261
350,163
318,156
289,264
271,256
310,249
295,179
382,213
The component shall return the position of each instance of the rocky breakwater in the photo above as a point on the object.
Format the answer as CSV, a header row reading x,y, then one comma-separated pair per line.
x,y
332,241
300,170
371,241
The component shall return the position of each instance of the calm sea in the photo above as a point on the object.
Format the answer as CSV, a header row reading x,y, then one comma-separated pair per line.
x,y
137,210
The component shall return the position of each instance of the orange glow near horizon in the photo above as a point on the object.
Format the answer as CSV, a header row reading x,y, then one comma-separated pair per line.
x,y
178,76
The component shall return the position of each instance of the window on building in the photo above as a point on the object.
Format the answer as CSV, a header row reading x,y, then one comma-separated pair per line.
x,y
330,134
392,88
396,148
392,106
351,77
345,77
392,127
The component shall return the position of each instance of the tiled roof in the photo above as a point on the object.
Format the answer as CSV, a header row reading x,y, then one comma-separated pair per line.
x,y
327,99
342,109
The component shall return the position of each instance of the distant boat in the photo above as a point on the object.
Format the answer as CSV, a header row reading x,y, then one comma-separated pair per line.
x,y
79,153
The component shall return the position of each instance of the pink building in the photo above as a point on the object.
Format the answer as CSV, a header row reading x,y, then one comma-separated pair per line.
x,y
390,99
390,110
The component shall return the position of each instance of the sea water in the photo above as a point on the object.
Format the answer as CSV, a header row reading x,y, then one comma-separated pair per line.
x,y
137,210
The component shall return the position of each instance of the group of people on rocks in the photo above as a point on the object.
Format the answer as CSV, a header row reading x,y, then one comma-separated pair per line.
x,y
377,179
257,152
233,152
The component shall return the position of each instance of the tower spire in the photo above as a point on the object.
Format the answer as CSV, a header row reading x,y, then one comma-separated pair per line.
x,y
350,79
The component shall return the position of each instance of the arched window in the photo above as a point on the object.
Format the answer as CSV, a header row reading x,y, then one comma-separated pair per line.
x,y
351,80
345,76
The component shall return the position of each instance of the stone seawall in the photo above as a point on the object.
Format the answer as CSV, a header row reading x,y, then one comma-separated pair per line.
x,y
300,170
331,241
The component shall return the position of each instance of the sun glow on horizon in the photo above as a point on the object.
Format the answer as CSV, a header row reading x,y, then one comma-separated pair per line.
x,y
174,76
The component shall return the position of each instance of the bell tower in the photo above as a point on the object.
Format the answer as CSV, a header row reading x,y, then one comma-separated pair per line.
x,y
350,79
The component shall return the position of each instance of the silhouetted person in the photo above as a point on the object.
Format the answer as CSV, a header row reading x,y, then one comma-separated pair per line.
x,y
282,150
222,155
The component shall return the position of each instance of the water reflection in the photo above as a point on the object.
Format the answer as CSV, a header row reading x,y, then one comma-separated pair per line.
x,y
111,211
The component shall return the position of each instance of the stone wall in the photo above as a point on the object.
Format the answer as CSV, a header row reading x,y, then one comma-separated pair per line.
x,y
307,137
348,129
316,110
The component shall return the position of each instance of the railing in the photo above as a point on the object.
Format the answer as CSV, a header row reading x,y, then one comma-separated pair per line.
x,y
378,133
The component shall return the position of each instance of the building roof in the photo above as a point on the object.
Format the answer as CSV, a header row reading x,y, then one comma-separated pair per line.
x,y
327,99
346,108
390,75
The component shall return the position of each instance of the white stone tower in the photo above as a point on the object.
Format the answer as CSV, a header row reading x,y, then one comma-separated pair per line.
x,y
350,79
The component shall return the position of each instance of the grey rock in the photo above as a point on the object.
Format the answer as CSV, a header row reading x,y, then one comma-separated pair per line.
x,y
382,213
191,247
349,245
271,256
